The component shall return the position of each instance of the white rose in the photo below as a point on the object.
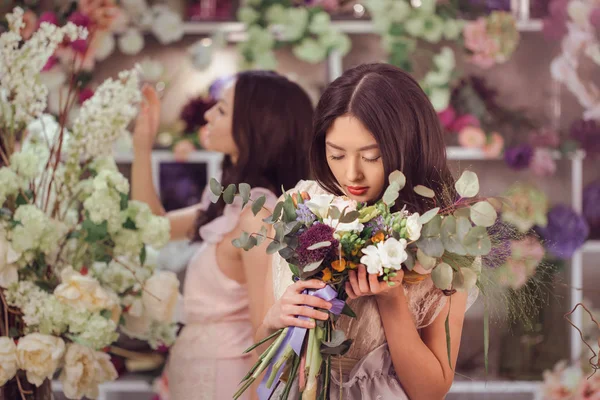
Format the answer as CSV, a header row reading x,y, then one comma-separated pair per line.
x,y
413,227
136,327
39,356
131,42
320,204
372,260
161,296
105,369
167,27
78,375
354,226
392,253
8,258
344,203
83,292
8,359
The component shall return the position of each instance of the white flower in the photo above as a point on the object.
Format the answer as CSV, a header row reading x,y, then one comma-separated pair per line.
x,y
8,258
39,355
161,296
135,8
152,70
131,42
354,226
392,253
167,26
344,203
105,369
372,260
83,292
128,243
78,375
440,98
30,161
413,226
320,204
8,359
156,231
9,183
105,45
579,12
94,331
34,225
54,78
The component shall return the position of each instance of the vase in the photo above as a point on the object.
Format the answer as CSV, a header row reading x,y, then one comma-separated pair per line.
x,y
11,391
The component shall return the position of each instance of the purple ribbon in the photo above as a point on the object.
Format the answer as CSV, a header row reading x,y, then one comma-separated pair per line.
x,y
295,338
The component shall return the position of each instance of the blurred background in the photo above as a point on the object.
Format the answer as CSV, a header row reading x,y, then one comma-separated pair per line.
x,y
515,86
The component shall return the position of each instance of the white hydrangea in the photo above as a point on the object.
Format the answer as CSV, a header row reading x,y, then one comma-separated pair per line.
x,y
41,311
156,231
161,334
30,161
9,184
105,116
121,275
34,224
103,205
113,179
128,243
97,333
102,163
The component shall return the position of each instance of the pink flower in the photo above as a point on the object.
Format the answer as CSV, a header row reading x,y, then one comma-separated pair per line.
x,y
85,94
544,137
463,121
528,250
471,137
447,117
79,46
31,24
494,146
48,17
475,34
182,150
50,63
595,17
101,12
518,273
80,19
542,163
589,389
482,60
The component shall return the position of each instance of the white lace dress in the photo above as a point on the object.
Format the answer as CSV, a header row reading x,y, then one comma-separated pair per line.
x,y
367,370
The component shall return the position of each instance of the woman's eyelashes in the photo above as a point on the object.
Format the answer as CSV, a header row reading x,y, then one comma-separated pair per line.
x,y
367,159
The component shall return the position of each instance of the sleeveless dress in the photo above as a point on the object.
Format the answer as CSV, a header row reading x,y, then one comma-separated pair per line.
x,y
206,362
366,369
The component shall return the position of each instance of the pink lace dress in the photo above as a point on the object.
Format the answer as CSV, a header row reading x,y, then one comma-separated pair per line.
x,y
366,369
206,362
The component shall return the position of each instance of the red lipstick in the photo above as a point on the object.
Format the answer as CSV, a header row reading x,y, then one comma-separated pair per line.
x,y
357,190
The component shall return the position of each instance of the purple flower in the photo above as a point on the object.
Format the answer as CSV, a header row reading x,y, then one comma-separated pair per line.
x,y
315,234
304,215
215,91
587,133
193,113
500,234
565,233
591,207
518,157
377,224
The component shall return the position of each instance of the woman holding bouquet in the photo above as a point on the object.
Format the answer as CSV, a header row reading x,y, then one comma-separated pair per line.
x,y
371,121
260,117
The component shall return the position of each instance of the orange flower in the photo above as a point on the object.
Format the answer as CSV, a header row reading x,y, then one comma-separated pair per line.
x,y
379,237
304,195
352,265
327,275
339,265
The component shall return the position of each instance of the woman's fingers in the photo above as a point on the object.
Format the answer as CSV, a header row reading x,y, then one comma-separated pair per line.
x,y
300,286
306,312
350,292
302,323
353,279
313,301
363,283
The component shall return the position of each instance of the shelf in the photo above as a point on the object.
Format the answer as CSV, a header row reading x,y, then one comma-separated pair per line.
x,y
127,384
167,156
236,29
494,387
591,246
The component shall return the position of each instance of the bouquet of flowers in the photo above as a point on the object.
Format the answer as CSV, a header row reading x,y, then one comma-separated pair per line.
x,y
76,258
325,236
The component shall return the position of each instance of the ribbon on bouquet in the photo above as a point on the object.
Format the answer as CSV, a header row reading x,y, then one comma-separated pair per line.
x,y
295,338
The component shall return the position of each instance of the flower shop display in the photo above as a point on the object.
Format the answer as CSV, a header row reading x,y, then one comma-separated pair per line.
x,y
77,256
591,208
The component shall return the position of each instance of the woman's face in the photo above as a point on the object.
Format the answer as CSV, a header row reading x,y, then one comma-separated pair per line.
x,y
354,158
217,135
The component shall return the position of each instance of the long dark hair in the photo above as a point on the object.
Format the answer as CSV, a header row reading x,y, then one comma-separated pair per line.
x,y
272,124
394,108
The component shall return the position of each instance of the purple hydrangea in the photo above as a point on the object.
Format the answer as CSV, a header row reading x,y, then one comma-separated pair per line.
x,y
304,215
565,233
315,234
591,207
377,224
587,133
518,157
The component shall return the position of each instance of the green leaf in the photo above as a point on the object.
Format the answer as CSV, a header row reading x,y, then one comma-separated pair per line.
x,y
277,211
463,212
289,210
129,224
286,253
477,242
448,339
74,235
431,246
274,247
124,201
410,261
262,235
143,256
319,245
467,185
426,262
483,214
95,232
242,241
398,178
337,346
428,216
334,212
244,190
106,314
424,191
250,243
432,228
312,266
258,204
293,267
442,276
350,217
463,226
279,231
450,238
215,187
13,332
229,194
391,194
44,285
348,311
465,279
22,200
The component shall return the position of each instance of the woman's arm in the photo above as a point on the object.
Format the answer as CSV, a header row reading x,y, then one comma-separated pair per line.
x,y
420,361
142,187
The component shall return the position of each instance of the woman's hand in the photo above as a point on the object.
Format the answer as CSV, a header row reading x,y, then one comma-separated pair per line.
x,y
147,122
362,284
294,303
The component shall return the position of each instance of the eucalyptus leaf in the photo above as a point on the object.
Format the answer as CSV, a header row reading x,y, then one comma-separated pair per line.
x,y
398,178
450,238
289,210
424,191
286,253
432,228
483,214
274,247
431,246
426,262
464,280
428,216
292,227
244,190
279,231
442,276
462,212
258,204
476,265
410,261
319,245
277,211
477,242
467,185
262,235
312,266
229,194
350,217
334,212
463,226
215,187
391,194
250,243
